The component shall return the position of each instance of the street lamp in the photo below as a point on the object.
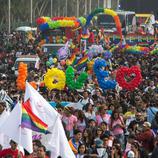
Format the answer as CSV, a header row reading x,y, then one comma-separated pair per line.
x,y
9,4
31,12
66,7
118,4
77,8
51,7
98,4
90,6
85,5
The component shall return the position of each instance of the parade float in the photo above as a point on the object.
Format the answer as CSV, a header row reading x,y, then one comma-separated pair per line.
x,y
58,29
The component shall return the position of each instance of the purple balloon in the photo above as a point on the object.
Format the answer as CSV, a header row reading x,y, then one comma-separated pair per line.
x,y
107,55
90,54
62,53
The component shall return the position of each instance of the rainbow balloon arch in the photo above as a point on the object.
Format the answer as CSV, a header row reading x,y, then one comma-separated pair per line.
x,y
105,11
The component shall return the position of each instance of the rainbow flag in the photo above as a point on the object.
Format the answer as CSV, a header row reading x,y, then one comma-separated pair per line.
x,y
73,60
82,63
31,121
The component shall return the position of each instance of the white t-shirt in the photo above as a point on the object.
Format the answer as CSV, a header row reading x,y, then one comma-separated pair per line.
x,y
85,101
90,115
79,156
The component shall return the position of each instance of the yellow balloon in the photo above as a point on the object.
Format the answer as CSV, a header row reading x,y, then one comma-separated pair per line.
x,y
68,62
54,60
55,79
110,12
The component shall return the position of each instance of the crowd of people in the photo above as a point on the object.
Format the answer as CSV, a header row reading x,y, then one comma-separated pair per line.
x,y
109,124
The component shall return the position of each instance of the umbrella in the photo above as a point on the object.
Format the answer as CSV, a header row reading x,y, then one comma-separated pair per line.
x,y
24,28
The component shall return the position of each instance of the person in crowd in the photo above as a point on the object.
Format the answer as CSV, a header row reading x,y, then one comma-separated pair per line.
x,y
75,141
89,112
117,127
105,130
135,150
154,124
86,99
92,125
155,151
69,121
41,152
116,151
108,144
81,121
151,111
102,116
98,134
150,87
146,137
91,37
81,151
99,150
87,139
12,151
137,122
97,96
130,115
2,107
129,142
36,144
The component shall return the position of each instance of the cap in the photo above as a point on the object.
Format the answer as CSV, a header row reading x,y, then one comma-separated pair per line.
x,y
98,143
130,154
147,124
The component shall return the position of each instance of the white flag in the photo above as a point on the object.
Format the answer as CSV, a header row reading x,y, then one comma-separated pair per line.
x,y
12,128
57,142
4,97
4,140
40,107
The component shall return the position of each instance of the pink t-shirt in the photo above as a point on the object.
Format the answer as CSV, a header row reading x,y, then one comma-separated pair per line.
x,y
69,122
104,118
116,129
81,125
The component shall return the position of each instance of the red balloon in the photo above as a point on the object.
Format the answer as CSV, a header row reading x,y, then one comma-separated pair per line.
x,y
62,62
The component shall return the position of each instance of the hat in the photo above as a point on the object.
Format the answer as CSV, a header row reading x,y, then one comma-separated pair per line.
x,y
68,109
147,124
99,143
